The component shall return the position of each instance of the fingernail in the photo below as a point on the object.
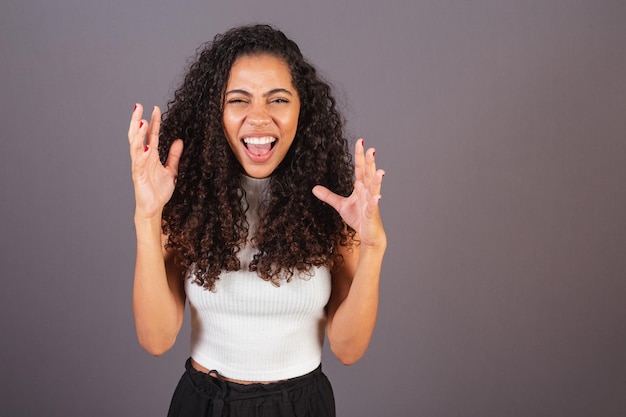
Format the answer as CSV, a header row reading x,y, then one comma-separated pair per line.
x,y
146,148
140,124
363,142
135,108
374,153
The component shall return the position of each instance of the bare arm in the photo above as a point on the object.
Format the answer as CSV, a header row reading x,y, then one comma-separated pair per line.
x,y
353,306
158,295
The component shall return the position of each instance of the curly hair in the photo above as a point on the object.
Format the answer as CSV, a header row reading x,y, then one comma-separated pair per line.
x,y
205,218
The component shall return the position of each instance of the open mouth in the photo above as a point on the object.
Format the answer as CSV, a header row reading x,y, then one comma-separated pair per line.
x,y
259,146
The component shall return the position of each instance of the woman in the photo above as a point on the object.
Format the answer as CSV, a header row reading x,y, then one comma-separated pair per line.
x,y
260,224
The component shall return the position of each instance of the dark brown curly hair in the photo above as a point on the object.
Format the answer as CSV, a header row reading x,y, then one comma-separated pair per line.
x,y
205,219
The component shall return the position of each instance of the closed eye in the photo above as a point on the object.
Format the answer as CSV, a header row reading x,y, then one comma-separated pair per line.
x,y
236,100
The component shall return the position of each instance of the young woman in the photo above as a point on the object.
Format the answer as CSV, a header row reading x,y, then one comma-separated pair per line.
x,y
248,206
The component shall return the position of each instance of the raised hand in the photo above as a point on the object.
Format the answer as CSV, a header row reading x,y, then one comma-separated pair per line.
x,y
153,182
360,210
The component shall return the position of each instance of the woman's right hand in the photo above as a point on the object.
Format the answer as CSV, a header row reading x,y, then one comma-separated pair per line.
x,y
153,182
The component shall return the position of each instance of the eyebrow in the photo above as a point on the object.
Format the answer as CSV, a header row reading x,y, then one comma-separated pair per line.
x,y
269,93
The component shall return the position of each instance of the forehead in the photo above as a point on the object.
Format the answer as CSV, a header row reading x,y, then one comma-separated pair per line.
x,y
259,70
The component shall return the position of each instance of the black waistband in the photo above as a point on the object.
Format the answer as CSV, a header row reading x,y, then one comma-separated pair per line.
x,y
216,380
215,388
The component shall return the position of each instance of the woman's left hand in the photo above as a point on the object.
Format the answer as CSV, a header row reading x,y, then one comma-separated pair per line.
x,y
360,210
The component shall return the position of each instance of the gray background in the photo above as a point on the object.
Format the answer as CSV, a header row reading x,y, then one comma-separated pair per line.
x,y
501,125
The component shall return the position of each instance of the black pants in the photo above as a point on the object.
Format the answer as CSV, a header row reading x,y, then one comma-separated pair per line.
x,y
200,394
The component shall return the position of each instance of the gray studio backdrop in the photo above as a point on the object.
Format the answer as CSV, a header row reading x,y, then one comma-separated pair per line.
x,y
502,128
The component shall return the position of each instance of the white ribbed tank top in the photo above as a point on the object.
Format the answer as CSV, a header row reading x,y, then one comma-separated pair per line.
x,y
248,329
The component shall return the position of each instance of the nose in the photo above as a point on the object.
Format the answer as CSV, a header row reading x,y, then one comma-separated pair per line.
x,y
258,115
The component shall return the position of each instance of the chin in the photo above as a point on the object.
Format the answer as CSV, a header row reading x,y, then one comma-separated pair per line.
x,y
259,172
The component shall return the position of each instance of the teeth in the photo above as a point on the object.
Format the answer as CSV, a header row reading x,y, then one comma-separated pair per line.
x,y
259,141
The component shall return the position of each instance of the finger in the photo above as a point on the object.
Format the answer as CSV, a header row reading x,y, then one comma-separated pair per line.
x,y
137,146
140,163
137,132
328,197
152,139
377,182
370,166
135,120
374,189
173,156
359,159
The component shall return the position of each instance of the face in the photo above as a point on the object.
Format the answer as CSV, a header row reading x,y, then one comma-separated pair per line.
x,y
261,108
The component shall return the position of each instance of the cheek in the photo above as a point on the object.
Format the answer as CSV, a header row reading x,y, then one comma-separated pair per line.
x,y
292,120
230,125
296,115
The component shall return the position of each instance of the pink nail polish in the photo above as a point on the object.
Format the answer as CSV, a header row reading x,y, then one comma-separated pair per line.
x,y
140,124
